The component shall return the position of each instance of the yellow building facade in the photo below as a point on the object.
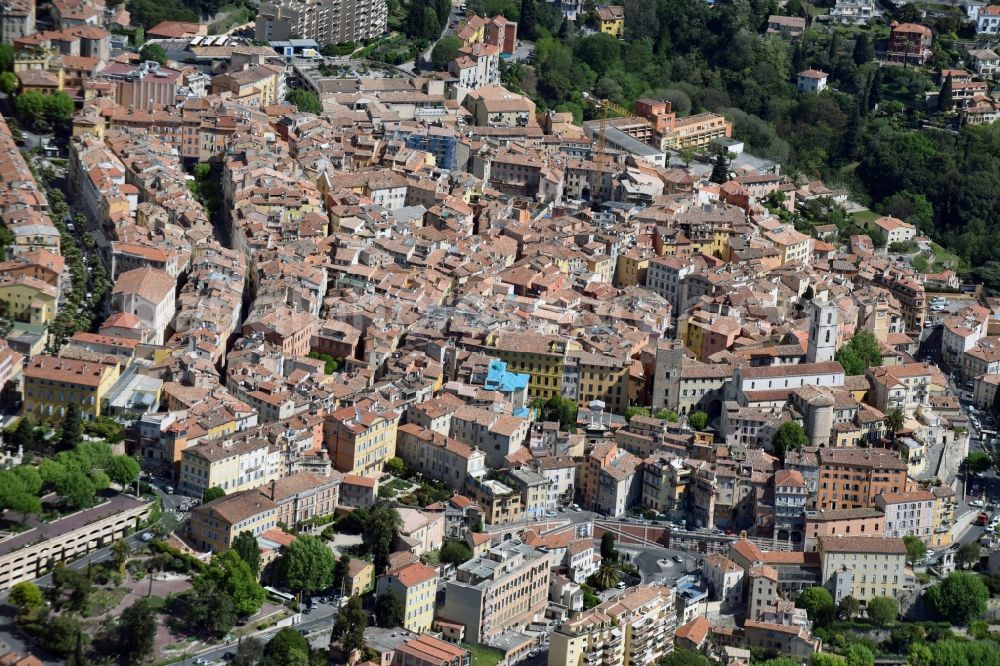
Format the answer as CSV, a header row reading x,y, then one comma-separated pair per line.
x,y
52,384
29,300
416,585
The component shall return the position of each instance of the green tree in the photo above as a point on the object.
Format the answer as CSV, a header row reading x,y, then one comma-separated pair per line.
x,y
698,420
6,57
882,611
26,597
848,608
245,545
860,353
72,431
818,604
631,412
30,106
304,100
720,168
454,552
307,565
864,50
211,494
8,82
77,489
343,569
62,634
526,26
915,549
395,466
249,653
919,655
382,524
827,659
668,415
349,625
605,578
946,99
959,598
207,610
154,53
136,632
858,654
229,574
286,647
968,554
123,470
682,657
978,462
789,437
608,551
894,420
59,107
390,611
445,51
119,556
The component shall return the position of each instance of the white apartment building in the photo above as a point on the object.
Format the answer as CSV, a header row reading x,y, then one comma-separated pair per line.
x,y
635,628
863,567
908,514
326,21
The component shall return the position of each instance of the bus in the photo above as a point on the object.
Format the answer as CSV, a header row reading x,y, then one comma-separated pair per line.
x,y
279,595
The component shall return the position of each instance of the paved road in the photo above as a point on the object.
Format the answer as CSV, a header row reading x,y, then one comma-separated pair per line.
x,y
317,627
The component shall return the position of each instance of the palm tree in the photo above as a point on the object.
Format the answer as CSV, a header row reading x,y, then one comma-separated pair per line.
x,y
894,419
606,577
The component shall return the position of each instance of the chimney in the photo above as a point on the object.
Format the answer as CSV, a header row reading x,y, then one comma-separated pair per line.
x,y
273,484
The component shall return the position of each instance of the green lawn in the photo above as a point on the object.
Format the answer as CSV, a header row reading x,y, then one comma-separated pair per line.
x,y
483,656
864,217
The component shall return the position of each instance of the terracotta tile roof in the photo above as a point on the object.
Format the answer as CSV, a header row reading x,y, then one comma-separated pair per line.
x,y
413,574
872,544
150,283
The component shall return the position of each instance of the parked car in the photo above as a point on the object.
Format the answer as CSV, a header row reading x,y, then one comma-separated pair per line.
x,y
678,559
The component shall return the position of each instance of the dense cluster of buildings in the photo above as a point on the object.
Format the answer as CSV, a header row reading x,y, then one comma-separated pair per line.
x,y
431,270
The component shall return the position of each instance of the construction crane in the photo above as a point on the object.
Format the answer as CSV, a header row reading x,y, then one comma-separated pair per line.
x,y
603,106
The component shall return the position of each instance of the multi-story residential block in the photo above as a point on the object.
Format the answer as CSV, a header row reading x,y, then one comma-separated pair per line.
x,y
360,438
906,386
477,65
17,19
853,478
635,627
324,21
52,383
783,628
421,531
988,21
790,497
232,463
863,567
911,513
612,479
214,525
416,584
499,502
505,588
534,489
437,456
360,577
257,86
664,481
143,86
496,435
588,377
560,472
725,580
944,515
28,299
867,521
909,43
